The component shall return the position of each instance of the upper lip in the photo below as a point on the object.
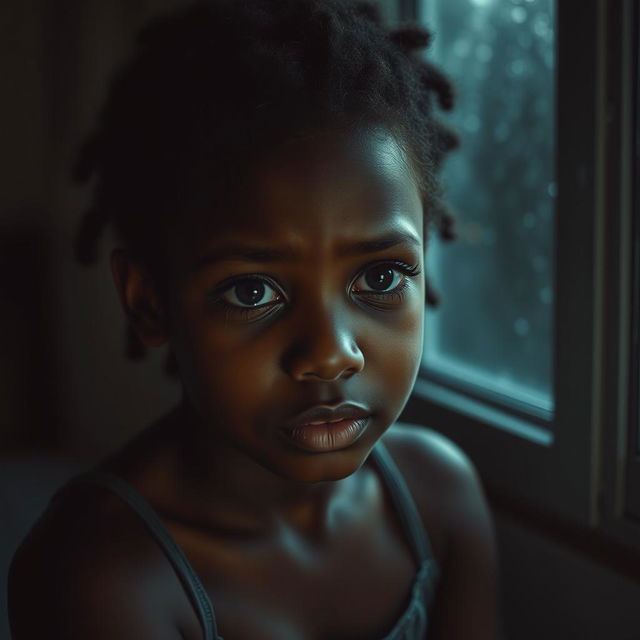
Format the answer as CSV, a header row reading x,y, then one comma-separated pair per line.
x,y
323,413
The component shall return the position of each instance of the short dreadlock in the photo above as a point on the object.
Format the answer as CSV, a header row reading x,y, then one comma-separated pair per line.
x,y
212,85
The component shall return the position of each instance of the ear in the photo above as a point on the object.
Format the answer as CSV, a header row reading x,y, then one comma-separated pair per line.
x,y
139,298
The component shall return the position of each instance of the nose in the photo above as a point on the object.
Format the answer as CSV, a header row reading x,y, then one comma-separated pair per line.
x,y
325,349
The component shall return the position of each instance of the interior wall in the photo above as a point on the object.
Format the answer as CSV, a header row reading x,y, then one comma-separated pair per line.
x,y
88,397
550,591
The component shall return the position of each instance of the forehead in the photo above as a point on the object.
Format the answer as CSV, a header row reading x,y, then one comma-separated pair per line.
x,y
317,189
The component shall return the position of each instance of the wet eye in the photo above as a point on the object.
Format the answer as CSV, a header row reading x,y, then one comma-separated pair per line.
x,y
250,292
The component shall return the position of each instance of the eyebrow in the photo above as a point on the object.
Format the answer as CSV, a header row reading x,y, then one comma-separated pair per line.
x,y
253,253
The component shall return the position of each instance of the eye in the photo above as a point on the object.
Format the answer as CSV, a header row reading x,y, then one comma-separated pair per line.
x,y
250,293
379,279
385,277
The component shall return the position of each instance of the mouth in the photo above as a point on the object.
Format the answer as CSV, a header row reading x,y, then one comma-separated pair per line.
x,y
322,414
328,436
324,429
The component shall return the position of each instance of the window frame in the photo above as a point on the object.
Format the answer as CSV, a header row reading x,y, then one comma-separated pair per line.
x,y
562,477
631,66
621,461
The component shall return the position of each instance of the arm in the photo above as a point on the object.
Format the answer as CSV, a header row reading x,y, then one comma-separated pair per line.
x,y
449,496
66,585
76,606
466,604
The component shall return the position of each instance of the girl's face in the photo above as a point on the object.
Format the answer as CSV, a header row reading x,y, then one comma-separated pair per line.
x,y
307,290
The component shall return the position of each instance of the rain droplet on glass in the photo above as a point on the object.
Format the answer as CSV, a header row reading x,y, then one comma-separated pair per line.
x,y
518,67
521,327
539,263
546,295
484,52
462,47
540,27
518,14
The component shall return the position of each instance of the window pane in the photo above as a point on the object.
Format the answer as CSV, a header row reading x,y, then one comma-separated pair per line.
x,y
493,328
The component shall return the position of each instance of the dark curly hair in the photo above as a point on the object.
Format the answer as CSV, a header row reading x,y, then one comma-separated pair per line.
x,y
213,85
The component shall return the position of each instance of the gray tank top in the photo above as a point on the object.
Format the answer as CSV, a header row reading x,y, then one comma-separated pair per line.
x,y
412,624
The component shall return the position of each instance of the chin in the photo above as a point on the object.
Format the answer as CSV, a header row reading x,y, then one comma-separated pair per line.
x,y
330,466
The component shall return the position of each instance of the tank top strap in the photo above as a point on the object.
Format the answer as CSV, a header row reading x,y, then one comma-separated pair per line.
x,y
404,503
185,572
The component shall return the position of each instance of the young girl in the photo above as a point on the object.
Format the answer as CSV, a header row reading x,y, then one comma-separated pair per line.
x,y
269,167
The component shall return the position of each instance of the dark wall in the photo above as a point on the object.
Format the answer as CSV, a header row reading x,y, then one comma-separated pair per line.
x,y
64,381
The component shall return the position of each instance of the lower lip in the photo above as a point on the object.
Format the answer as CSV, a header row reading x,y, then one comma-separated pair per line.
x,y
330,436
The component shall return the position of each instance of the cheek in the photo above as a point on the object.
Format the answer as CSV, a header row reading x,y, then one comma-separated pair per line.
x,y
401,348
223,371
393,352
225,376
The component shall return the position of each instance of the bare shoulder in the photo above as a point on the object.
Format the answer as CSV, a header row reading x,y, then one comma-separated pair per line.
x,y
430,450
444,483
87,569
457,518
441,477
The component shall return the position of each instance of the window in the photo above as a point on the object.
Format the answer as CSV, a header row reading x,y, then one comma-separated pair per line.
x,y
526,363
498,275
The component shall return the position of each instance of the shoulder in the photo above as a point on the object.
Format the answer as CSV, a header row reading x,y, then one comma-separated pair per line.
x,y
416,443
88,569
457,518
444,483
441,477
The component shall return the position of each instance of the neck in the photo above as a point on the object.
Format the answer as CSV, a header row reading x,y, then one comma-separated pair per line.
x,y
240,493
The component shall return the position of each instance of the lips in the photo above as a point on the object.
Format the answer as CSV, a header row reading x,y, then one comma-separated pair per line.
x,y
323,414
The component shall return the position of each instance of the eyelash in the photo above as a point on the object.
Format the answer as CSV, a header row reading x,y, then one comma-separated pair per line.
x,y
397,294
